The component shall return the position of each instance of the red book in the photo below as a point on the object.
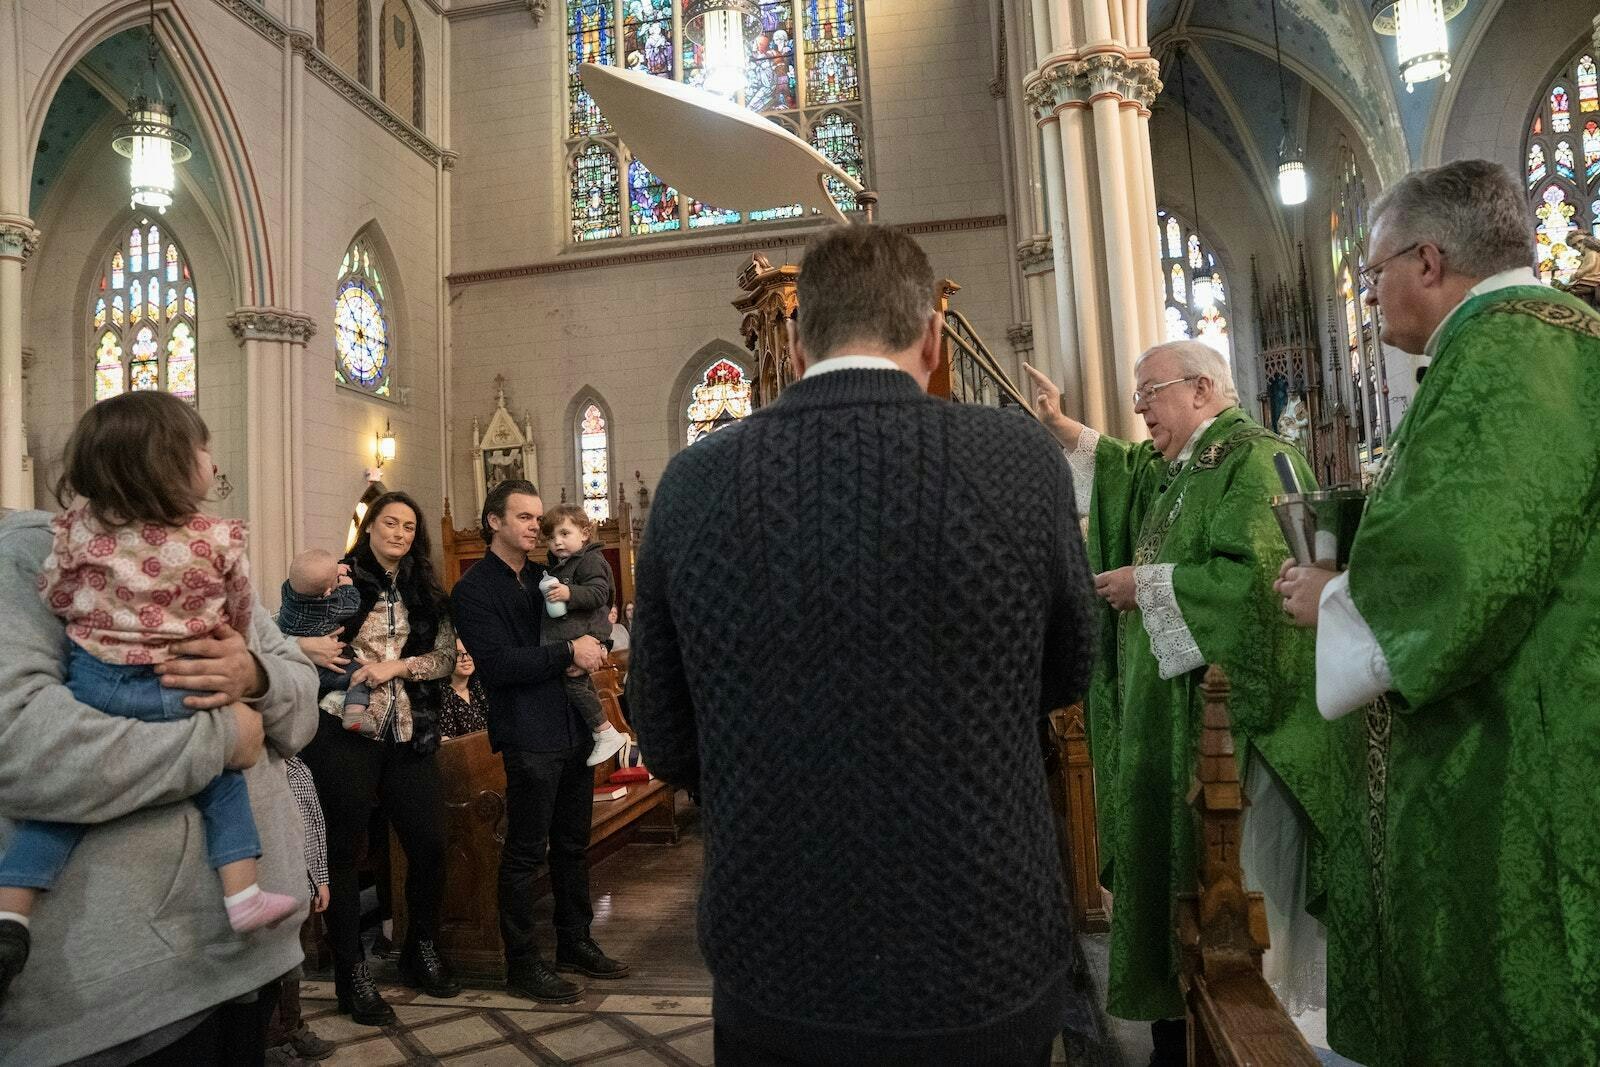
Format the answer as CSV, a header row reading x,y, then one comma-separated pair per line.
x,y
610,792
630,774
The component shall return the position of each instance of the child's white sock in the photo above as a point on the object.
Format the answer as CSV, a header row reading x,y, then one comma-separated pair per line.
x,y
251,909
14,917
241,896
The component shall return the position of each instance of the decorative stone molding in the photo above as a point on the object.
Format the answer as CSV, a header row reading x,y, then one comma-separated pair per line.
x,y
302,42
1021,337
997,88
18,237
1076,82
1036,252
257,19
271,324
447,159
537,9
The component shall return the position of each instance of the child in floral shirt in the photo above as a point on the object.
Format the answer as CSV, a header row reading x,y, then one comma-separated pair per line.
x,y
136,568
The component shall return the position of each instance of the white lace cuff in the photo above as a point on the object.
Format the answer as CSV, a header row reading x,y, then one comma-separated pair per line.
x,y
1170,639
1081,460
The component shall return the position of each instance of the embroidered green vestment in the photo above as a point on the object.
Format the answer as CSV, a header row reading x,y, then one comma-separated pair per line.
x,y
1211,522
1464,892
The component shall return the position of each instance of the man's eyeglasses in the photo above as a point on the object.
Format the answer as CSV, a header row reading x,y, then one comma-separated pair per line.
x,y
1148,393
1371,272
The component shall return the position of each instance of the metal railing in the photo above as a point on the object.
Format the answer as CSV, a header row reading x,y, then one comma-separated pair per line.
x,y
975,376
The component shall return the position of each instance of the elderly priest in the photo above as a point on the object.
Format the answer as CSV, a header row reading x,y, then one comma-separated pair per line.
x,y
1472,931
1186,548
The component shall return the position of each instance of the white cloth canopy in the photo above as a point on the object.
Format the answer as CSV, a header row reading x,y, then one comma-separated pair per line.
x,y
712,149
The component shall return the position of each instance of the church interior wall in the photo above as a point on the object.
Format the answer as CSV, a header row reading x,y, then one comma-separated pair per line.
x,y
627,330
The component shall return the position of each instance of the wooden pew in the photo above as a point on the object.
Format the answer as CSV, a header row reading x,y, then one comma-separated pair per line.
x,y
475,828
1235,1019
1070,775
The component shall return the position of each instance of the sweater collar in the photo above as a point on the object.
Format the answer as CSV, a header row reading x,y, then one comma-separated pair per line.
x,y
851,386
838,363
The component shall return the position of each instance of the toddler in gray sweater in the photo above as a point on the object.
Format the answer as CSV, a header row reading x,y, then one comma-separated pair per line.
x,y
578,592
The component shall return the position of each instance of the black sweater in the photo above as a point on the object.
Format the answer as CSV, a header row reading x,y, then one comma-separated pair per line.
x,y
853,610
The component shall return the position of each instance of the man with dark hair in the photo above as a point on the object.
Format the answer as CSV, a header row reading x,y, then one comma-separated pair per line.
x,y
851,658
543,742
1465,912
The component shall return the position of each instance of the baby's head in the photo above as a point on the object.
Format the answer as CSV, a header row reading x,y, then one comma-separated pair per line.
x,y
566,528
314,572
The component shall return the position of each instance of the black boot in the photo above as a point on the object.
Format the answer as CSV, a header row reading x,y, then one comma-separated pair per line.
x,y
1170,1041
359,997
584,956
14,942
422,968
536,981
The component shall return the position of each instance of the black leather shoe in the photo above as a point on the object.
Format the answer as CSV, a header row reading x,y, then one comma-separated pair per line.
x,y
422,968
585,957
536,981
359,997
14,942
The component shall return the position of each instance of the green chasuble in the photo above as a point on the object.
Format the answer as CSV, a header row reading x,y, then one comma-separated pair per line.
x,y
1204,526
1464,903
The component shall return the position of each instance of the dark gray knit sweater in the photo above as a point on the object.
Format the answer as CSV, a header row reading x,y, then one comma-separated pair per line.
x,y
853,609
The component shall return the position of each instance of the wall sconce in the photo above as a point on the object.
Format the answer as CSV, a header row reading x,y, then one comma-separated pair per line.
x,y
221,487
383,451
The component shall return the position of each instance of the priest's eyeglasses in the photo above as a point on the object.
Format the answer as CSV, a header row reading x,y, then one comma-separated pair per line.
x,y
1371,272
1148,393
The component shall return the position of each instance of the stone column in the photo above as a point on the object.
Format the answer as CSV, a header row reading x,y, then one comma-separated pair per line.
x,y
274,341
17,241
1090,97
1036,258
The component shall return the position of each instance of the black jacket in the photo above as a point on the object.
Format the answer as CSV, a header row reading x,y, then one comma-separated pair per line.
x,y
587,576
497,616
853,610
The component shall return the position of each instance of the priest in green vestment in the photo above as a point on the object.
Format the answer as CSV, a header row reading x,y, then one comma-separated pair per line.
x,y
1186,549
1464,902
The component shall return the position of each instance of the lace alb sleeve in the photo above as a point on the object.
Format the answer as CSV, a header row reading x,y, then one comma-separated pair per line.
x,y
1081,460
1170,639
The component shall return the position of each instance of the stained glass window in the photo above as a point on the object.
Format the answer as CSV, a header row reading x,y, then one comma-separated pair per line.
x,y
718,399
594,462
134,342
1196,298
362,341
596,211
803,62
1563,192
839,138
1364,368
652,203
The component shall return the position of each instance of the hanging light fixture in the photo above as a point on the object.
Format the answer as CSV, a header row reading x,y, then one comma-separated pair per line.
x,y
722,30
1422,43
1292,183
153,145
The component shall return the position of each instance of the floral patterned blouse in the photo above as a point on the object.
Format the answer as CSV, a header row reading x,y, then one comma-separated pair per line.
x,y
460,716
382,635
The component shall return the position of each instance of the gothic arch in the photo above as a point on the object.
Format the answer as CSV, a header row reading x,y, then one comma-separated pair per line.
x,y
690,376
372,236
247,236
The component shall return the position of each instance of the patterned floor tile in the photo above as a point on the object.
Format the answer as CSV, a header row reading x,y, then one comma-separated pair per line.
x,y
696,1046
584,1039
338,1028
421,1014
626,1004
664,1024
633,1058
504,1056
457,1034
378,1052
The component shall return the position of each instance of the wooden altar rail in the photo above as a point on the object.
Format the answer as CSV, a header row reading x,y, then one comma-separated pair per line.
x,y
1235,1019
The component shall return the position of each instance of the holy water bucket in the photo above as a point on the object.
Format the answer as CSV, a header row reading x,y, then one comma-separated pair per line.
x,y
1320,526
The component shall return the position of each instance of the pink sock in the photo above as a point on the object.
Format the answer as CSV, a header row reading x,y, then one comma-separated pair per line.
x,y
255,907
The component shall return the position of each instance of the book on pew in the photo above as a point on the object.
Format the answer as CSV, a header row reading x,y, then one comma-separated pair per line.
x,y
610,792
625,775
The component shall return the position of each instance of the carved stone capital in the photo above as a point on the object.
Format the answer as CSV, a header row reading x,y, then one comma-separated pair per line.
x,y
302,42
18,237
1108,73
447,159
1060,83
271,324
1146,82
538,9
1021,337
1035,252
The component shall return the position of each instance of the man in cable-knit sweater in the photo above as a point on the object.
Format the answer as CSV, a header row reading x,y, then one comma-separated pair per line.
x,y
854,610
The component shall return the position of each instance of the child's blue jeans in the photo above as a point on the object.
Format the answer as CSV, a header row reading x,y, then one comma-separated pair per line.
x,y
40,850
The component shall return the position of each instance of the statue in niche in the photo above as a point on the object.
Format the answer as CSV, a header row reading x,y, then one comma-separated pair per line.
x,y
1294,425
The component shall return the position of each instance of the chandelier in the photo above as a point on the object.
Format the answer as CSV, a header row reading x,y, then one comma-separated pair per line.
x,y
153,145
722,29
1292,183
1422,43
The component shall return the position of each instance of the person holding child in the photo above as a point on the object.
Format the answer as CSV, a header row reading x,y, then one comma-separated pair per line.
x,y
135,925
319,598
402,638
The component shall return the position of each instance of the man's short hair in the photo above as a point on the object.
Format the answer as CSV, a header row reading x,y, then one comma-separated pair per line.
x,y
495,503
863,284
1197,359
1472,209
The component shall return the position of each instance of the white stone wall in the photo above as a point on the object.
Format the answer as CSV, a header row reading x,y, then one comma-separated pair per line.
x,y
627,331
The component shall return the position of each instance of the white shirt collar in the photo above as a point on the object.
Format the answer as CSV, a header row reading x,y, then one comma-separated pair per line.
x,y
833,363
1504,280
1194,439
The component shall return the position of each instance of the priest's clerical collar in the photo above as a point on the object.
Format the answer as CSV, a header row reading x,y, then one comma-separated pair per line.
x,y
833,363
1504,280
1194,439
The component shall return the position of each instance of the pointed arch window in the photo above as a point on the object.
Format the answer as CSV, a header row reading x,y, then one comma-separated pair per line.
x,y
1561,189
363,341
593,432
718,398
803,70
1197,296
139,340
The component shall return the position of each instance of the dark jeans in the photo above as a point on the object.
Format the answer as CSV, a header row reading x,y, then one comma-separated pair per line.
x,y
549,801
356,775
234,1035
731,1049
